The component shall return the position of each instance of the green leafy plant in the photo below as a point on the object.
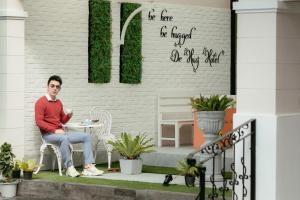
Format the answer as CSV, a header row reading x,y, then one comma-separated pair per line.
x,y
6,160
17,165
131,147
100,46
29,165
185,169
131,51
211,103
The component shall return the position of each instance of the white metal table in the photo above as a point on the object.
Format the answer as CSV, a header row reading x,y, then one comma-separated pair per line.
x,y
82,125
85,126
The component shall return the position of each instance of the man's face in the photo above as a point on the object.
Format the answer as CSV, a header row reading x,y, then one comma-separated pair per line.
x,y
53,88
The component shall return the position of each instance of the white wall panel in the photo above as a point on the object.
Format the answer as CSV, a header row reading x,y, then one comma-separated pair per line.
x,y
57,43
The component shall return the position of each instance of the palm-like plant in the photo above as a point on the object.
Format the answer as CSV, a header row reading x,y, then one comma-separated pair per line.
x,y
185,169
131,147
212,103
188,171
29,165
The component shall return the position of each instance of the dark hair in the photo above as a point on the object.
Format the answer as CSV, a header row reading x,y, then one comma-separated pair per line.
x,y
55,78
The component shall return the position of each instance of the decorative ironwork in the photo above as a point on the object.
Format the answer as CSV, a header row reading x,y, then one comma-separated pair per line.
x,y
201,194
244,175
234,181
214,193
219,147
225,142
224,187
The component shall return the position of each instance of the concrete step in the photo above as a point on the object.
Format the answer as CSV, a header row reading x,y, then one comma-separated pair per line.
x,y
166,156
35,189
169,156
27,198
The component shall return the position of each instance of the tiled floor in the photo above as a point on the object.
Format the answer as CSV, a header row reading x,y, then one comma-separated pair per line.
x,y
144,177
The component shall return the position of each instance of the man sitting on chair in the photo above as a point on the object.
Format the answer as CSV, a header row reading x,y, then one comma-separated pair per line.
x,y
49,117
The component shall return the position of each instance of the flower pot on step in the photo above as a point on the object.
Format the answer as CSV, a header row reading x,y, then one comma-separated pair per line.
x,y
131,166
189,180
27,175
211,122
8,190
16,174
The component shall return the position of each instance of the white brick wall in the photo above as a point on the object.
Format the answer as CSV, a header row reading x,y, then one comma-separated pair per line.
x,y
57,43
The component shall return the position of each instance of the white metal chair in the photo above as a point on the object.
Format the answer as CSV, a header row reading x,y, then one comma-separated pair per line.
x,y
55,150
104,132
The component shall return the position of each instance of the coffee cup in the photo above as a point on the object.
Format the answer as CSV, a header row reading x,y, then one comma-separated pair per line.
x,y
69,111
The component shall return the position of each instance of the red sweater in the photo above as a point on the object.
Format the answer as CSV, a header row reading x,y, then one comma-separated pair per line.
x,y
49,115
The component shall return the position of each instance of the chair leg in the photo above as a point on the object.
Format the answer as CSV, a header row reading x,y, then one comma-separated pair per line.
x,y
159,142
108,148
109,159
72,152
58,156
41,159
177,135
59,165
95,152
53,162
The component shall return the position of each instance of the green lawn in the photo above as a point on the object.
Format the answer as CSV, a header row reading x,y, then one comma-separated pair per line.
x,y
53,176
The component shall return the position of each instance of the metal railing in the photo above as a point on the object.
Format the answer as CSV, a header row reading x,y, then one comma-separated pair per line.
x,y
242,139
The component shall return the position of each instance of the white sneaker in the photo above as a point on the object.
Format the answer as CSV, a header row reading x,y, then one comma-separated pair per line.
x,y
71,171
92,171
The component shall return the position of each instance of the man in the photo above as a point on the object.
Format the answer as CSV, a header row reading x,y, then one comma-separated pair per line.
x,y
49,117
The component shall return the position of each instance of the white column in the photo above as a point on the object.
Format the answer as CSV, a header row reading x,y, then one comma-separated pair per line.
x,y
12,17
268,89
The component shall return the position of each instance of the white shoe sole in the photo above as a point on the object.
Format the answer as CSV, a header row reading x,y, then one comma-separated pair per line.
x,y
92,174
73,176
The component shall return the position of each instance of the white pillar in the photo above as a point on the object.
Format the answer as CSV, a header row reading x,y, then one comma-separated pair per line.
x,y
12,17
268,89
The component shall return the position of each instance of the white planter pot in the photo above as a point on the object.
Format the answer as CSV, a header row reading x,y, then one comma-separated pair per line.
x,y
131,166
8,190
211,122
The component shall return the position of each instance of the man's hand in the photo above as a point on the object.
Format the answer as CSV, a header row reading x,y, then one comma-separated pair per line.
x,y
60,131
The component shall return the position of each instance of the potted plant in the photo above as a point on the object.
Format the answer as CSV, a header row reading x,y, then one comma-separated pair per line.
x,y
28,167
188,171
16,171
211,113
8,186
130,148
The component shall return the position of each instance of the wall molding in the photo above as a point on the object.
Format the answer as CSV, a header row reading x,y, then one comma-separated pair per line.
x,y
13,14
265,7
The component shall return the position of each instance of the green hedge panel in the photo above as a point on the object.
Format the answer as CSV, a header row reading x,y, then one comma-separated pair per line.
x,y
131,51
99,41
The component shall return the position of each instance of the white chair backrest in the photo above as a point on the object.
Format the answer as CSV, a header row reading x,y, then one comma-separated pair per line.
x,y
175,105
44,141
104,118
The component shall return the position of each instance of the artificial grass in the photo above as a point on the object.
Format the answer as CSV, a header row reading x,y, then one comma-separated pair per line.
x,y
99,41
131,51
228,175
160,170
146,168
53,176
